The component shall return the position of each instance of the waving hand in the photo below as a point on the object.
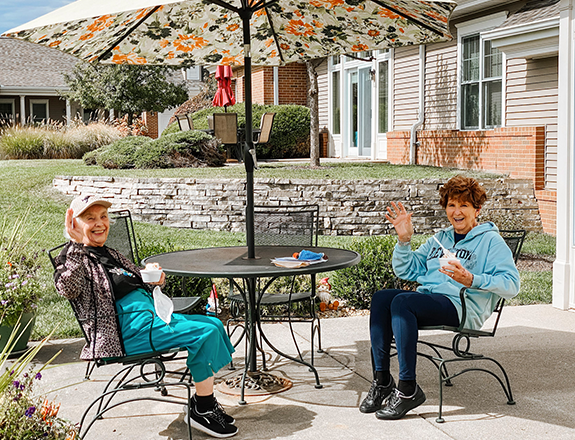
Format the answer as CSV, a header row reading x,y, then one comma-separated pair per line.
x,y
401,221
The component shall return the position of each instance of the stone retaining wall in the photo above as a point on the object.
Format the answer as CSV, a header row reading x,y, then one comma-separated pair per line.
x,y
346,207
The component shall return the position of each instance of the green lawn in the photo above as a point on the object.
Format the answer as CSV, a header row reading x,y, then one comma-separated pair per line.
x,y
26,184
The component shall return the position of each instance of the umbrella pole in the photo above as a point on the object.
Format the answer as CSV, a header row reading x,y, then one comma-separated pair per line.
x,y
248,145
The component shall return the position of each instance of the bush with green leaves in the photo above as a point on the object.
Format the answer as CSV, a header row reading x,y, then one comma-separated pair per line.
x,y
290,132
357,284
178,150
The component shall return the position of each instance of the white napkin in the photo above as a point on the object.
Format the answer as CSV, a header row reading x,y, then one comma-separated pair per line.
x,y
163,305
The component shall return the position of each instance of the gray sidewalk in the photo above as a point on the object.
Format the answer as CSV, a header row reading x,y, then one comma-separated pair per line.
x,y
536,344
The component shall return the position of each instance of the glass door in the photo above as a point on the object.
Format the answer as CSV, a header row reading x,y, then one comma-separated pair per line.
x,y
358,124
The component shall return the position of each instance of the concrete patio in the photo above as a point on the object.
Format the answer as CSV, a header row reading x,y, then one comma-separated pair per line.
x,y
535,343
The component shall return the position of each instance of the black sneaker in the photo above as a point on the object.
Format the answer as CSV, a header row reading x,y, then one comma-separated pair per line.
x,y
211,422
375,396
397,405
222,412
217,409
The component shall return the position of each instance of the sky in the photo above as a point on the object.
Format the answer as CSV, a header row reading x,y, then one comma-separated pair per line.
x,y
17,12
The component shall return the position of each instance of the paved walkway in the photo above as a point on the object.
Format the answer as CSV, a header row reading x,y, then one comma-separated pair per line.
x,y
535,343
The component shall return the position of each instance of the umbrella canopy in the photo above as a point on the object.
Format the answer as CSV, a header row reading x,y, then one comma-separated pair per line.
x,y
224,95
209,32
235,32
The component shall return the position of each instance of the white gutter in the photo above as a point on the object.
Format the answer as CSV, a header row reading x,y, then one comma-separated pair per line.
x,y
276,86
413,144
25,90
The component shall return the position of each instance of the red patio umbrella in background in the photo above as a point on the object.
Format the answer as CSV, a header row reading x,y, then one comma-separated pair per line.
x,y
224,94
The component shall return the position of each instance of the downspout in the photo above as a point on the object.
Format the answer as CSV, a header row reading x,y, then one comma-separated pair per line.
x,y
413,143
276,86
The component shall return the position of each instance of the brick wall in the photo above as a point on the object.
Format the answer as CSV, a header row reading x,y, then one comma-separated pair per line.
x,y
547,201
151,122
346,207
293,85
516,151
292,88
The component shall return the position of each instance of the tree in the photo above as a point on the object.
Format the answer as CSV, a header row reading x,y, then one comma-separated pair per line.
x,y
313,105
127,89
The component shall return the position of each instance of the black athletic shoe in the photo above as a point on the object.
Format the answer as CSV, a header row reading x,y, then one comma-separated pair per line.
x,y
375,396
397,405
211,422
217,409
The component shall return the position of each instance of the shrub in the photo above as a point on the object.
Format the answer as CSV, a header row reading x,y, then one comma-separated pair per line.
x,y
55,141
358,283
20,287
179,150
290,132
22,143
120,154
185,149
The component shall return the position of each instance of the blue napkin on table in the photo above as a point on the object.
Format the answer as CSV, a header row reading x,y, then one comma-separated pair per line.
x,y
309,255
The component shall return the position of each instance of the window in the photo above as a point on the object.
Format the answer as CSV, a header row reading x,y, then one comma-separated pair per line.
x,y
193,73
481,75
481,84
6,110
335,101
383,98
39,110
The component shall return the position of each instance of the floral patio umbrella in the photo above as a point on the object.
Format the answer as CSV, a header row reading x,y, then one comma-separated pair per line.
x,y
235,32
224,95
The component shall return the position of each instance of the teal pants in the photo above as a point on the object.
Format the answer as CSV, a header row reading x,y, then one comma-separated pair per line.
x,y
209,348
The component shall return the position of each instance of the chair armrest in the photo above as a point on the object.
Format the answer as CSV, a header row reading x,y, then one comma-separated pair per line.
x,y
150,325
462,297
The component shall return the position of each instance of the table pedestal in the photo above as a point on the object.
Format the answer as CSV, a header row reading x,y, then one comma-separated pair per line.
x,y
256,383
253,382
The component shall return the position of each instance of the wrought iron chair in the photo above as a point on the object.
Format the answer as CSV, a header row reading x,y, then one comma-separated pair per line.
x,y
226,129
293,226
141,371
122,238
461,342
185,122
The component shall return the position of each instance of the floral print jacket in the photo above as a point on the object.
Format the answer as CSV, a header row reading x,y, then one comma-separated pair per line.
x,y
82,279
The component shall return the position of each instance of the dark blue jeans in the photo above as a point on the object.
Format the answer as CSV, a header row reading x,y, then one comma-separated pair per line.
x,y
400,313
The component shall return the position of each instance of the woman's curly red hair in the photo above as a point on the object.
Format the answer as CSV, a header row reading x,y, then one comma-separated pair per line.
x,y
464,189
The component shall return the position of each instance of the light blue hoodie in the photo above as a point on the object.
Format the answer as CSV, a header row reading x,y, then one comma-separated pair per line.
x,y
483,252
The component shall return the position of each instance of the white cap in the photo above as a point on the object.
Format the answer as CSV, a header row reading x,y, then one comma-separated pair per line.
x,y
81,203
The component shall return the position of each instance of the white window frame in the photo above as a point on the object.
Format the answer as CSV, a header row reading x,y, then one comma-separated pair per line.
x,y
474,27
12,102
384,56
331,69
46,102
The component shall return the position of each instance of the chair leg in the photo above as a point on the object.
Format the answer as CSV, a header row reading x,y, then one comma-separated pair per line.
x,y
505,384
439,418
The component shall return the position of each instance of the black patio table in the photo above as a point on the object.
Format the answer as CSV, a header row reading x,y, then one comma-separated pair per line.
x,y
233,263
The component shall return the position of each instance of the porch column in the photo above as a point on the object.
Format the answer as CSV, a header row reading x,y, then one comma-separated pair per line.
x,y
563,292
68,112
22,109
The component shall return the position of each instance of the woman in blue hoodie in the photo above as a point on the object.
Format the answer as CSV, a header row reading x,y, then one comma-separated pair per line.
x,y
485,265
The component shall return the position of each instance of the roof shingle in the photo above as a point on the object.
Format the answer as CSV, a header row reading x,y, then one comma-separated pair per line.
x,y
24,64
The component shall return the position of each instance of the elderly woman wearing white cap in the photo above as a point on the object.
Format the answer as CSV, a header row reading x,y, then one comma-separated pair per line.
x,y
100,282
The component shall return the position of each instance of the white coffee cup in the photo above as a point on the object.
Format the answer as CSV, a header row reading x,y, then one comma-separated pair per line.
x,y
151,275
444,262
